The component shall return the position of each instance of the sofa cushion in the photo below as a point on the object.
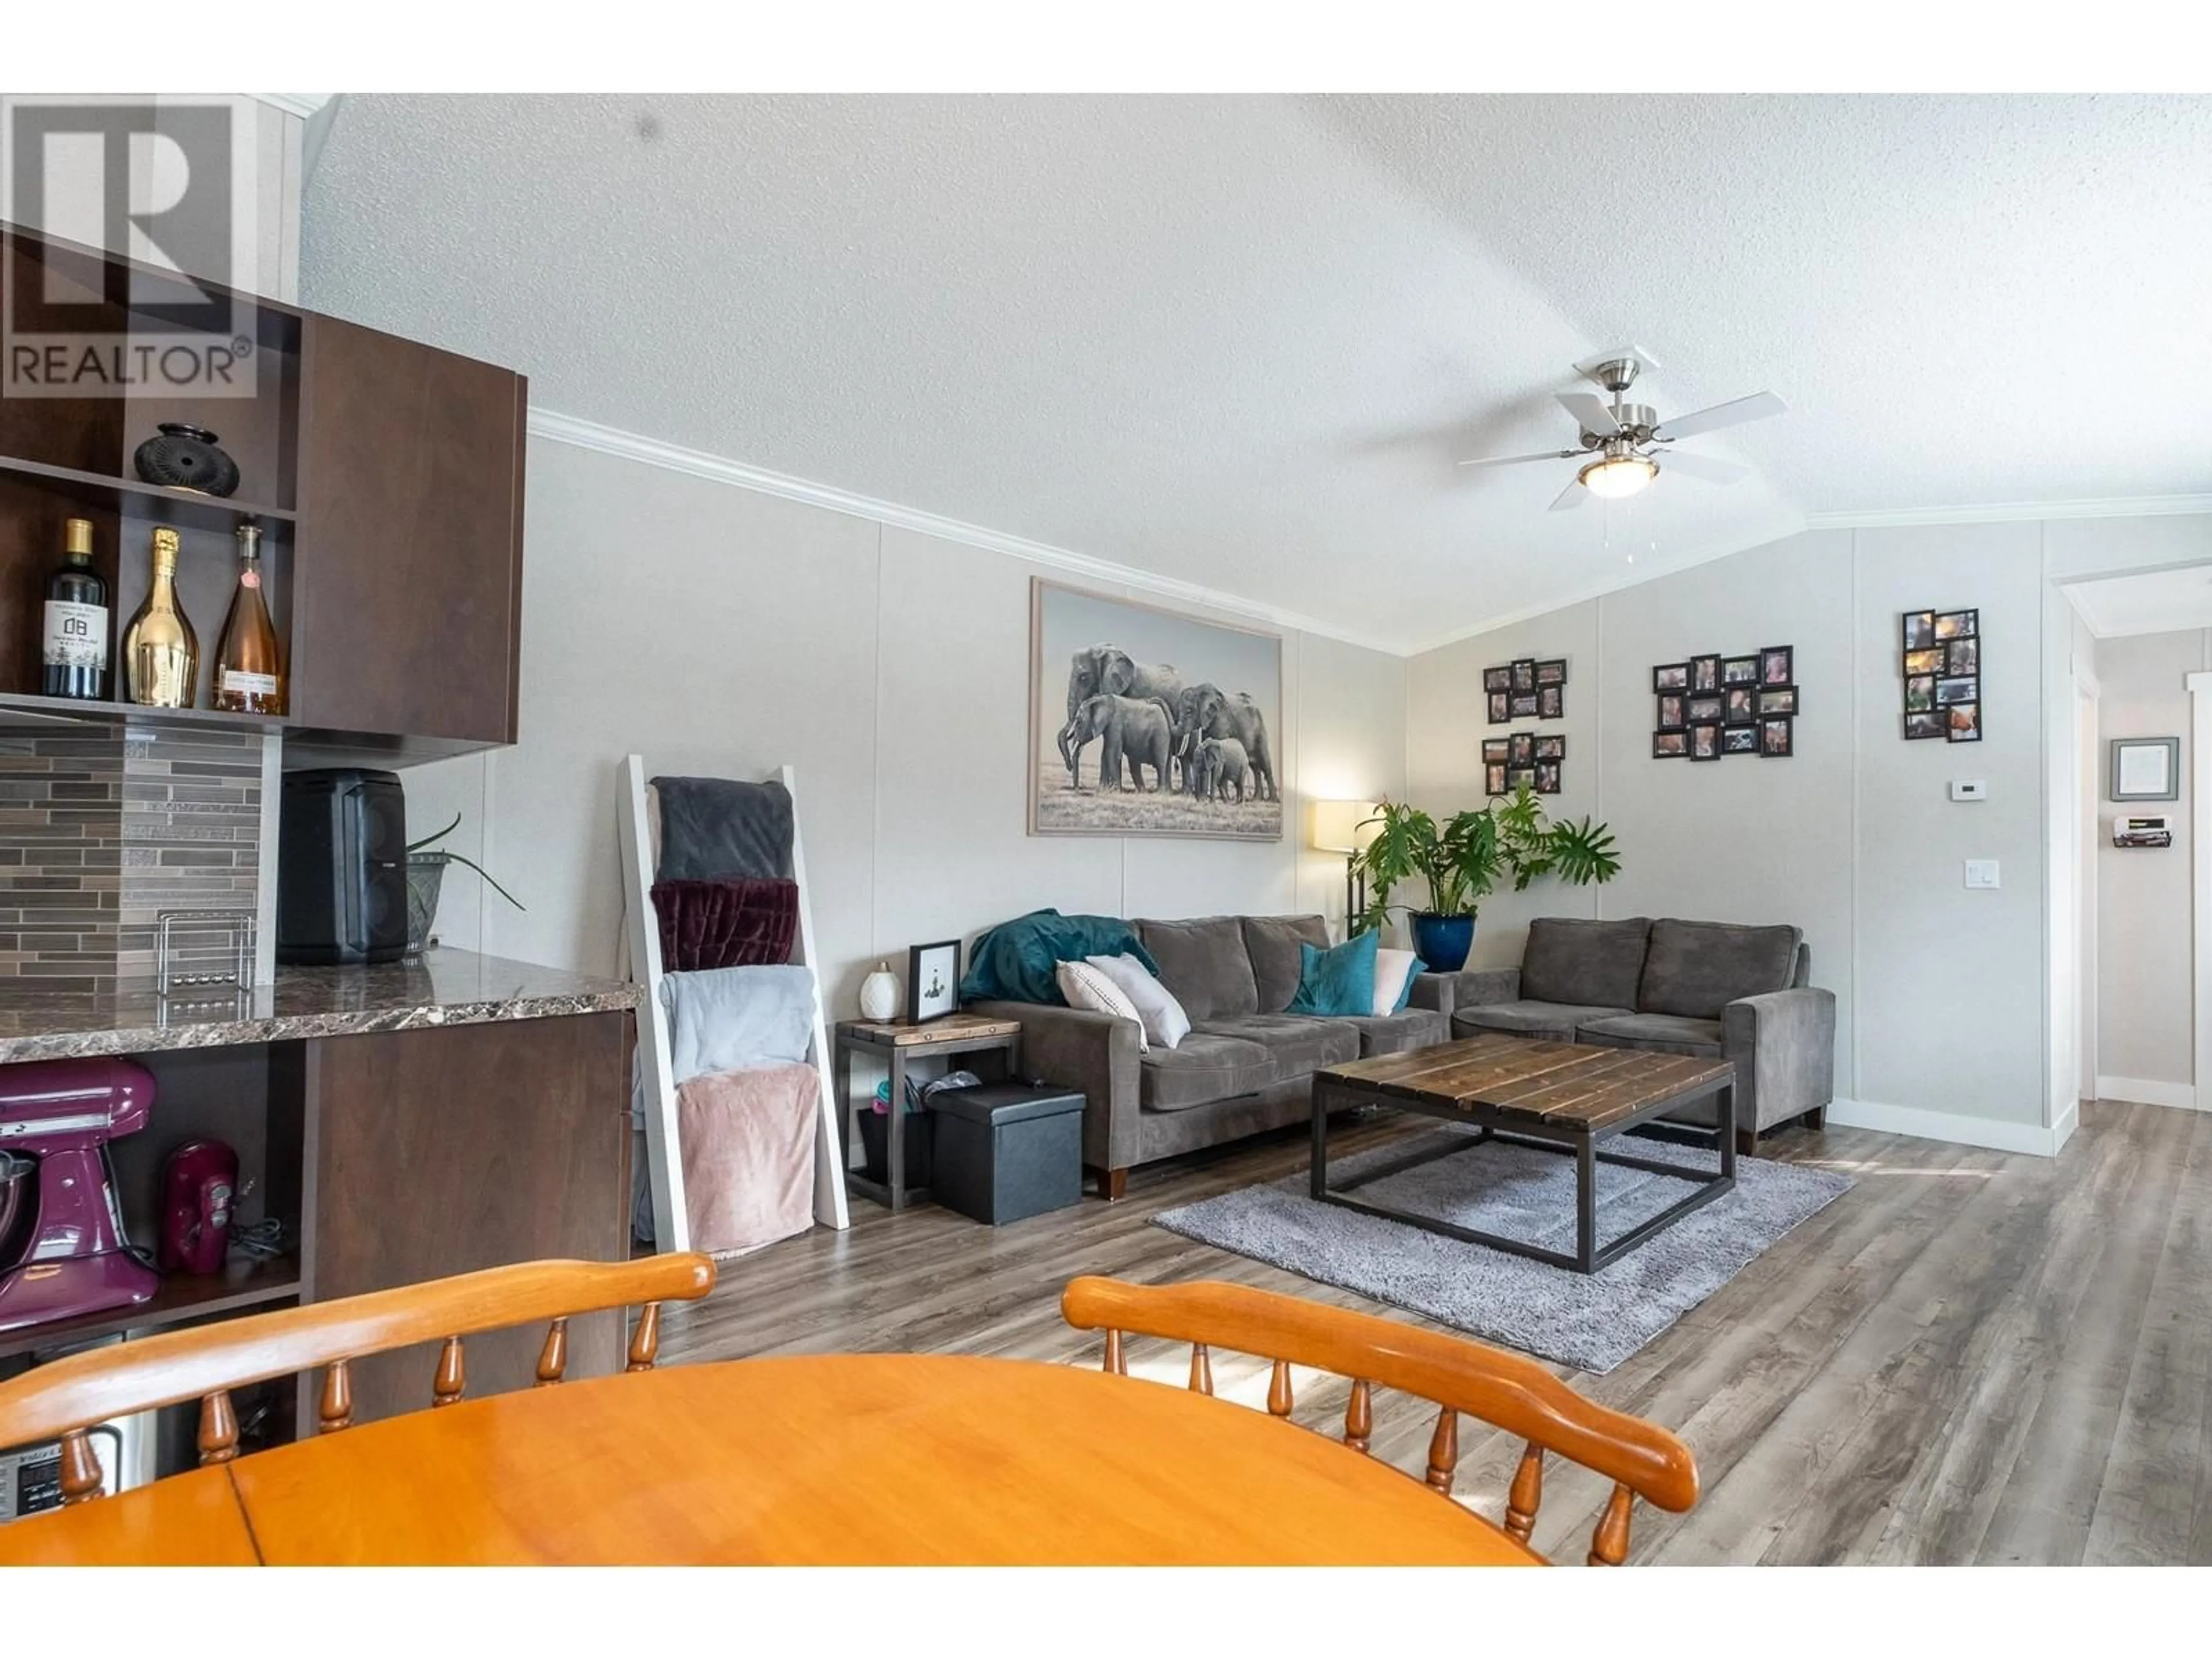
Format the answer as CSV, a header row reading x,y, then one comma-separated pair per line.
x,y
1300,1043
1555,1022
1272,943
1697,968
1398,1033
1595,964
1669,1034
1200,1070
1204,963
1338,981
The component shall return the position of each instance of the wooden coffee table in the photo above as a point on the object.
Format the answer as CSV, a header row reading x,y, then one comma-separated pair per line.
x,y
1561,1096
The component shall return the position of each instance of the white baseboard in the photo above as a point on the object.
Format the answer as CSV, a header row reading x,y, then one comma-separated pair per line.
x,y
1996,1133
2146,1091
2069,1121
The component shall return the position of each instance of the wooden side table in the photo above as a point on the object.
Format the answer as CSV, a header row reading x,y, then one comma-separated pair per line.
x,y
897,1043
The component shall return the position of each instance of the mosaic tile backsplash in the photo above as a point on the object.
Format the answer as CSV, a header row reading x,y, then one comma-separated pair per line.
x,y
101,828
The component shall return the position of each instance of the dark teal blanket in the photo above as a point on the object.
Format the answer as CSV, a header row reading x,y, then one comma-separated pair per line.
x,y
1014,961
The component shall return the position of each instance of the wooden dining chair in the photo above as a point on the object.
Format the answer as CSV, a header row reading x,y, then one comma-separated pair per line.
x,y
63,1400
1500,1388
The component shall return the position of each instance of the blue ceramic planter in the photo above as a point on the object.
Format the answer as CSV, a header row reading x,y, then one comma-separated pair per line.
x,y
1442,942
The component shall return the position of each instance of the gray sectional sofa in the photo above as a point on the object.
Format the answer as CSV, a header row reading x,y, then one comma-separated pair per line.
x,y
1685,987
1246,1065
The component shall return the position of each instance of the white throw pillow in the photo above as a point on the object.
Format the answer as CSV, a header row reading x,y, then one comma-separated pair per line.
x,y
1162,1016
1391,967
1087,989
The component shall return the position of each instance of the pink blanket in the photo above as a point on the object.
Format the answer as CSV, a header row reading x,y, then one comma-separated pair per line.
x,y
748,1140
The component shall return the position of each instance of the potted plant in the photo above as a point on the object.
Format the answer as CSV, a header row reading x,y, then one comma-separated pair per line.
x,y
426,875
1462,862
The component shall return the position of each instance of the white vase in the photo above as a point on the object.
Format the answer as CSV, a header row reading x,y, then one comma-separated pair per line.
x,y
879,994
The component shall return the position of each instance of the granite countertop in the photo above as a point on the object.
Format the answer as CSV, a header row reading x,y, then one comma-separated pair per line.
x,y
445,988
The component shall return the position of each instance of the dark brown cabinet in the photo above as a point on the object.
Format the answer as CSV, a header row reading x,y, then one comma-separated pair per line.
x,y
406,618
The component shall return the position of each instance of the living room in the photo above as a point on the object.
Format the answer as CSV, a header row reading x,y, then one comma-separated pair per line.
x,y
1301,657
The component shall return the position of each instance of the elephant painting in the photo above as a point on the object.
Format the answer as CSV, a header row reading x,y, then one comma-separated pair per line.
x,y
1109,670
1219,764
1139,730
1206,711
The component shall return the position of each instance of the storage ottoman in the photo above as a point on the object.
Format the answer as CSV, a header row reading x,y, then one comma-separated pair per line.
x,y
1004,1151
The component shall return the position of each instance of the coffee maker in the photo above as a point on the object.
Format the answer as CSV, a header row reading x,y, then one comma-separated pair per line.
x,y
63,1252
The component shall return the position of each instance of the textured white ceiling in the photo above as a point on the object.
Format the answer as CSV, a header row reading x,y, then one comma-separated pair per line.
x,y
1238,342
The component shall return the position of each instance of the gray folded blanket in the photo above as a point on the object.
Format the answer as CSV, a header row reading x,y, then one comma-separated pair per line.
x,y
712,828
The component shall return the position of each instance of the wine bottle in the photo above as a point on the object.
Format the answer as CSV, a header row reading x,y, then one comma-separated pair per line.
x,y
249,663
75,652
161,653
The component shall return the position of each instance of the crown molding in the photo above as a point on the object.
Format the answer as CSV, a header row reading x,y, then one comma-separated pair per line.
x,y
305,105
720,468
2114,506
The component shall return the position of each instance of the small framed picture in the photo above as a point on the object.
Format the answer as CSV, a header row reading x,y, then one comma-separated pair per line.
x,y
1962,656
1518,778
1704,711
1547,777
1965,721
1738,705
1551,702
1930,661
1919,629
1669,745
1671,676
1926,723
1739,670
1523,752
1778,665
1705,673
1777,699
1953,691
1497,679
1493,780
1496,751
1775,738
932,982
1525,705
1738,740
1551,671
1550,747
1958,625
1671,717
1704,741
1524,674
1919,693
1500,708
2145,768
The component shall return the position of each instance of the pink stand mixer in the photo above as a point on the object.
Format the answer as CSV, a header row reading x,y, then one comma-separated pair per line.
x,y
61,1248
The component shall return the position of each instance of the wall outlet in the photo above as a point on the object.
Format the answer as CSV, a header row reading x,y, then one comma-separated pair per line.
x,y
1970,789
1982,873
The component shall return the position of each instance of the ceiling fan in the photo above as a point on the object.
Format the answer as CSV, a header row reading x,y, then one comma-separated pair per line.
x,y
1622,443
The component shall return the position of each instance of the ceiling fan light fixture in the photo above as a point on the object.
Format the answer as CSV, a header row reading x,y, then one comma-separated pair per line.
x,y
1617,476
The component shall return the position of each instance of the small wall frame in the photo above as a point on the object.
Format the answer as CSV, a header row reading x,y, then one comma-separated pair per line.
x,y
2144,769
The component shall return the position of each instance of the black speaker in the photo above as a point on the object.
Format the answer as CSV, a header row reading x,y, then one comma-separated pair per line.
x,y
342,867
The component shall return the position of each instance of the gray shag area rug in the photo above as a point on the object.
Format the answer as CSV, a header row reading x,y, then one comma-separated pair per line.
x,y
1592,1321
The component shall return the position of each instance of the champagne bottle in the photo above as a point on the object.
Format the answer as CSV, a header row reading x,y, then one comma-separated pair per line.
x,y
249,663
161,653
75,652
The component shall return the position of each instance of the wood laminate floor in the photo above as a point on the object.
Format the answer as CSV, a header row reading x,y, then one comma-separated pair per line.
x,y
1970,1357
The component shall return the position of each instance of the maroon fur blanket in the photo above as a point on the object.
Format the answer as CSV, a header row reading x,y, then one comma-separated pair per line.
x,y
735,922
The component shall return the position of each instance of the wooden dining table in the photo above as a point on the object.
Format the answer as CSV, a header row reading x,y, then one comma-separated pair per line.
x,y
845,1459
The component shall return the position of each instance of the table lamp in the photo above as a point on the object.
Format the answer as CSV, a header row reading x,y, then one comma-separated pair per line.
x,y
1342,826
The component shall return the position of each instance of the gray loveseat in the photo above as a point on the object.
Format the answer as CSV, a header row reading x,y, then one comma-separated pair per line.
x,y
1246,1065
1683,988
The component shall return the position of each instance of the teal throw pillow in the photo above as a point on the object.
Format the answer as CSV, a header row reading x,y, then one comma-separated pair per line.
x,y
1338,981
1406,991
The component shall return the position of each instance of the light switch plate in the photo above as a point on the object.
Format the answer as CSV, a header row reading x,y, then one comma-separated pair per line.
x,y
1970,789
1982,872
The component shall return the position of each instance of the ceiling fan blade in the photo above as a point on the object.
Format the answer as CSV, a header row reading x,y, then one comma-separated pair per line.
x,y
1589,408
1702,466
1515,460
1573,495
1736,412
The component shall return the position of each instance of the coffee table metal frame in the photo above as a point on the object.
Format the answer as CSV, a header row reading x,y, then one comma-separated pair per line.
x,y
1577,1141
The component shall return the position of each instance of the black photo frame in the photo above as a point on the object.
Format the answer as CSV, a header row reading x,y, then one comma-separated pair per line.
x,y
1670,745
1670,676
1778,736
1705,740
1523,752
1740,705
1967,688
1740,671
1921,723
1493,780
1550,746
1499,679
1703,710
1706,672
1963,657
1551,670
1551,702
938,995
1932,660
1778,665
1740,740
1958,625
1517,775
1671,715
1777,699
1496,752
1917,632
1524,674
1919,693
1501,708
1524,705
1963,722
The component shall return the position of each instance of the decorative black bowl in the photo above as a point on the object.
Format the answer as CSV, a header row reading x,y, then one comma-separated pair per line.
x,y
185,458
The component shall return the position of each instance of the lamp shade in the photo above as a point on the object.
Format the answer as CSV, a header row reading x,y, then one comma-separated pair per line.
x,y
1336,825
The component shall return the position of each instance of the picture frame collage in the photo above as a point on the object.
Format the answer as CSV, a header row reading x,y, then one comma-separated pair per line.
x,y
1941,654
1714,705
1529,688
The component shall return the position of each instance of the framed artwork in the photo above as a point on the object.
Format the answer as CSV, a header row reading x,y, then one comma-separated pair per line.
x,y
1497,679
1515,776
1919,629
1671,676
1669,745
1704,741
1739,705
1963,657
1496,751
1493,780
1919,693
1933,660
1738,740
1740,671
1551,702
1704,711
933,981
1671,715
1551,671
1705,673
1775,739
1958,625
1501,708
1547,777
1963,722
1964,690
1524,674
1550,747
2145,768
1926,723
1523,752
1714,704
1778,665
1525,706
1777,699
1108,715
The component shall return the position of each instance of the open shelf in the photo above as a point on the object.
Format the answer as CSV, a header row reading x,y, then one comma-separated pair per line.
x,y
182,508
243,1283
22,709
